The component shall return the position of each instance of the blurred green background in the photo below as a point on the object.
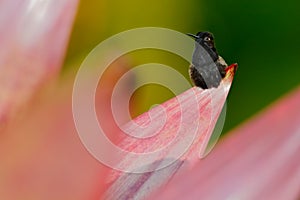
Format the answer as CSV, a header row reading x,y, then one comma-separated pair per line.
x,y
261,36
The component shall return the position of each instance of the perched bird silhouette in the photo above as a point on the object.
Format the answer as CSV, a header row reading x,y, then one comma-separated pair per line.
x,y
208,68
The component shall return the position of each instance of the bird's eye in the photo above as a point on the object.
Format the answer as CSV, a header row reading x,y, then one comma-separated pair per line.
x,y
207,39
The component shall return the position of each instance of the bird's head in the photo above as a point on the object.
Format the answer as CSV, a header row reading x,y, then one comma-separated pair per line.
x,y
206,40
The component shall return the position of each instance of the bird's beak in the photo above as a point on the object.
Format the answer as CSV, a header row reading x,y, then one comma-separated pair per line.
x,y
192,35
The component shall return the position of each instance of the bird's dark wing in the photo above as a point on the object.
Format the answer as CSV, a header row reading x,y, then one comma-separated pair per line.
x,y
204,71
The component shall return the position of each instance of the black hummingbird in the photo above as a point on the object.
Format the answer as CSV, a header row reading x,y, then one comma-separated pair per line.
x,y
208,68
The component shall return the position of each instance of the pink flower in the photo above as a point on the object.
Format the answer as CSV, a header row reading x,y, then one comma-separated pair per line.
x,y
258,160
42,156
34,36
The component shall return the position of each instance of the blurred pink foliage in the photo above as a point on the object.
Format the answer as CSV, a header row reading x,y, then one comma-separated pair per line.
x,y
33,37
41,154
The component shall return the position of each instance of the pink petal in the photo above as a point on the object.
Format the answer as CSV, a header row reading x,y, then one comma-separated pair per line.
x,y
189,117
259,160
33,37
41,154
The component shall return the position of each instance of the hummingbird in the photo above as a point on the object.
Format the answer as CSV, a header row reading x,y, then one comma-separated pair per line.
x,y
207,68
